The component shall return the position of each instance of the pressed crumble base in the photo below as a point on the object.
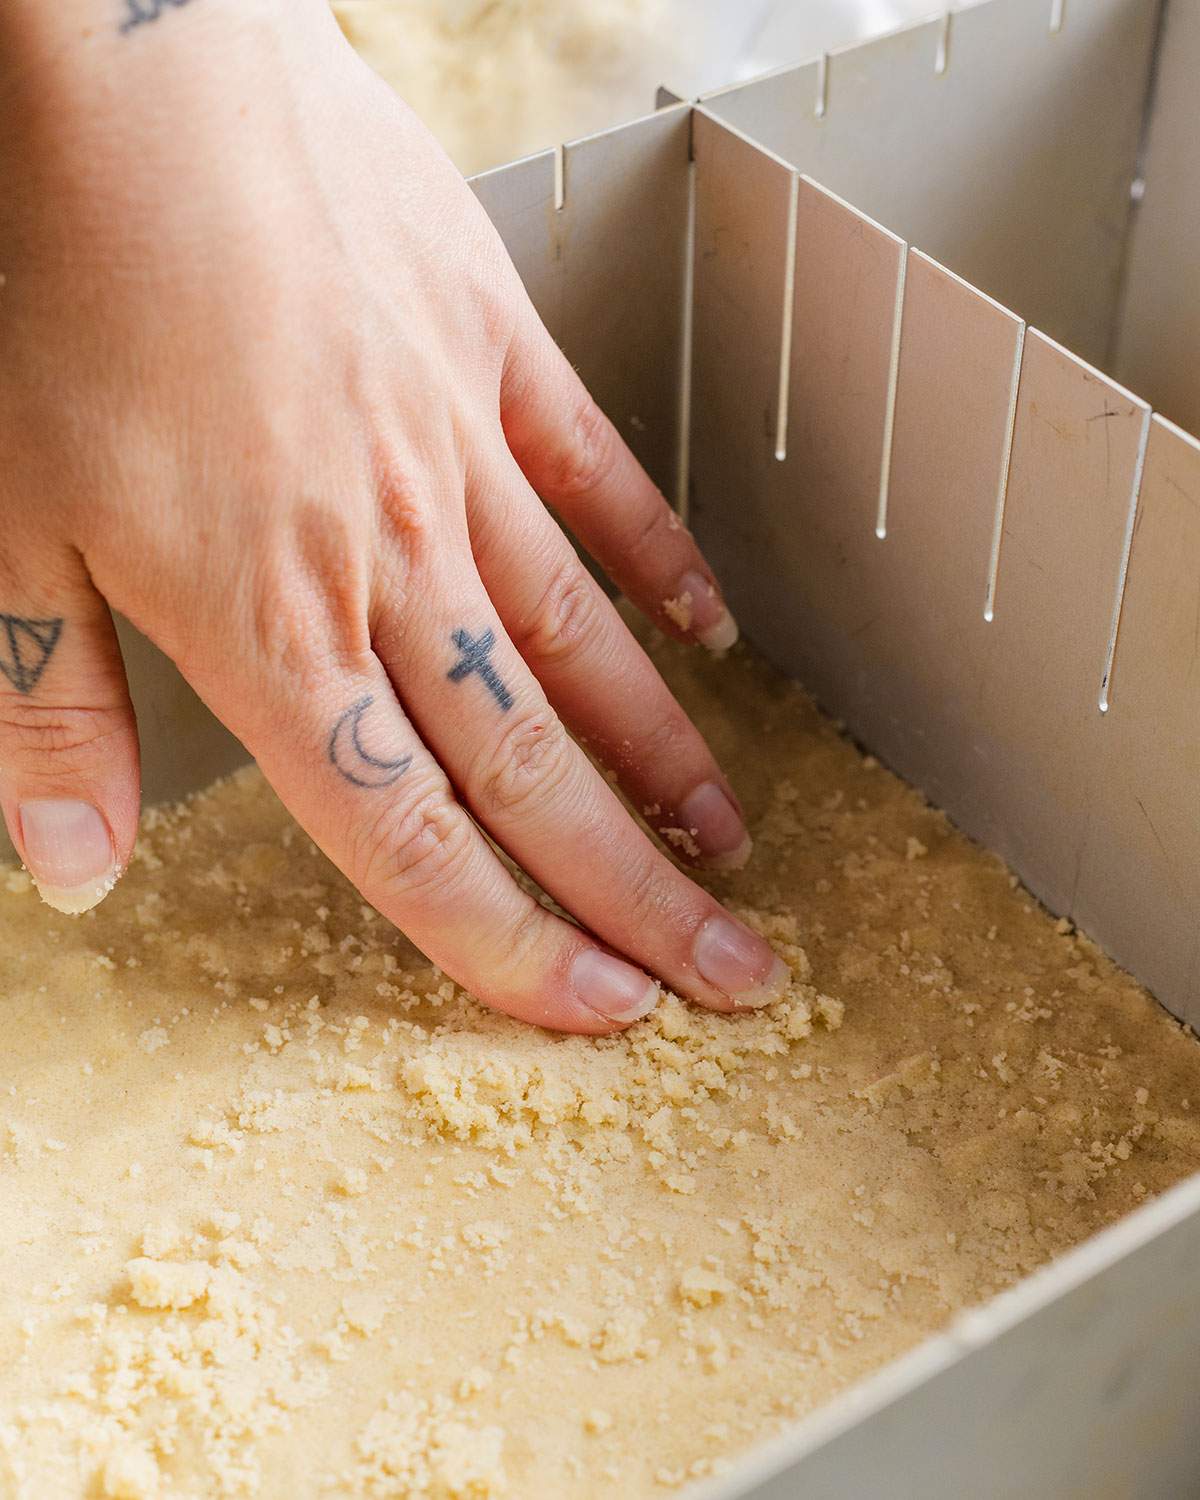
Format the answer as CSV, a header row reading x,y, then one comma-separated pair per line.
x,y
287,1214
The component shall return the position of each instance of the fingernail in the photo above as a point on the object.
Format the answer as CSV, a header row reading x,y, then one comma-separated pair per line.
x,y
716,826
615,989
739,962
698,607
68,851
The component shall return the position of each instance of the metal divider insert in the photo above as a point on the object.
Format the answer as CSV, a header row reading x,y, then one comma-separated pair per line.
x,y
683,462
925,654
599,232
889,413
520,201
1123,570
796,546
941,59
786,315
623,240
849,297
1139,886
989,604
1074,465
976,646
1158,331
744,200
1012,166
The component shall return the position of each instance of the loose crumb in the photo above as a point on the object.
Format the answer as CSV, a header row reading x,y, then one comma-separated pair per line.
x,y
679,611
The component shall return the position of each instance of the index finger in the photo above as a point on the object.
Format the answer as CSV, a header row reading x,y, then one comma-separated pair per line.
x,y
578,463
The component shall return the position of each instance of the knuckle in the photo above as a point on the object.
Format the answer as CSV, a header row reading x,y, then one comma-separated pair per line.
x,y
289,626
406,516
588,460
297,595
667,740
32,731
564,618
532,757
645,898
415,848
499,298
516,964
650,530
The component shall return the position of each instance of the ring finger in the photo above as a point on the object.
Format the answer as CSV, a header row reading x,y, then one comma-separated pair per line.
x,y
350,767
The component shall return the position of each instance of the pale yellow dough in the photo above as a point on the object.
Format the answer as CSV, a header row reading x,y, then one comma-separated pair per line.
x,y
286,1214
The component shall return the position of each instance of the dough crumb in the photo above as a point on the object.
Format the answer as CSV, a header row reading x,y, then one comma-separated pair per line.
x,y
679,611
130,1473
161,1283
701,1286
417,1449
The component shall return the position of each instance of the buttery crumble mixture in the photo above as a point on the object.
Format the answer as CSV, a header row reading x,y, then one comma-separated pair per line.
x,y
497,79
287,1214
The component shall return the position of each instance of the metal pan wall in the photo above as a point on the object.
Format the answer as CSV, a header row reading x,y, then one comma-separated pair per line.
x,y
941,527
1001,137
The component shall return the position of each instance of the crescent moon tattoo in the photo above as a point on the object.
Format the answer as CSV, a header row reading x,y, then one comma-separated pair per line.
x,y
350,760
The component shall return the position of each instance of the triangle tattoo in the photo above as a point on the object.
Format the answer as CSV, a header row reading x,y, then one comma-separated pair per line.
x,y
25,648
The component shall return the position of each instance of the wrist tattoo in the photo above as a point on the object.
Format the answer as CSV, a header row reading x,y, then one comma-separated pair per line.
x,y
475,658
26,647
351,761
138,12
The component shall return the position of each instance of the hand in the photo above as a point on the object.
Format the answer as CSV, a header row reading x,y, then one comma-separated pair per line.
x,y
270,386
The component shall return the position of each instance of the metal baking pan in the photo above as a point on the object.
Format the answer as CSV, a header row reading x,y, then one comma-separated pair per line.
x,y
877,323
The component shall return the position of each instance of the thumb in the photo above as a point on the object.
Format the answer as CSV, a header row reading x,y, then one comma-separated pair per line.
x,y
69,776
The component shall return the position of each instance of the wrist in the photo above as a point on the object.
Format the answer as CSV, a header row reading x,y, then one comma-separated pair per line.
x,y
97,121
35,29
70,60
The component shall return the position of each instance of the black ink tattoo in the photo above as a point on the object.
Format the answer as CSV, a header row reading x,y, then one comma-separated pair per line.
x,y
475,655
25,648
350,760
138,12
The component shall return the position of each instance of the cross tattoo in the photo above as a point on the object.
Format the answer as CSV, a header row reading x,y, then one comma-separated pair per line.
x,y
475,655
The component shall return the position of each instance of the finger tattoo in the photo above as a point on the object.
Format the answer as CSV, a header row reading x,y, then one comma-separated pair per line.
x,y
26,647
351,761
476,653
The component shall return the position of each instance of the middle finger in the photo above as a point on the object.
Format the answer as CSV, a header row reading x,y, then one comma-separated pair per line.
x,y
606,687
483,714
